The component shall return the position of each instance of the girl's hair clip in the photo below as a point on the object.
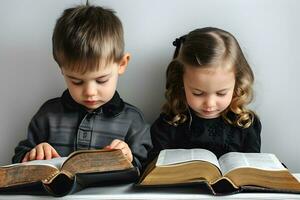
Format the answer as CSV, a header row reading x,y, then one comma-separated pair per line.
x,y
178,41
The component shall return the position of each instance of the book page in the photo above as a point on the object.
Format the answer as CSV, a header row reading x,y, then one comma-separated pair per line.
x,y
264,161
57,162
175,156
297,176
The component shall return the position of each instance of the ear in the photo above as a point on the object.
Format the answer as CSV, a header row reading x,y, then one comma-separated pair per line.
x,y
123,63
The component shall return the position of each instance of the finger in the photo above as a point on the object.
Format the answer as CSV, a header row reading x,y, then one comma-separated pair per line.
x,y
114,143
126,151
47,151
128,154
54,153
121,145
107,147
32,154
25,159
40,152
129,157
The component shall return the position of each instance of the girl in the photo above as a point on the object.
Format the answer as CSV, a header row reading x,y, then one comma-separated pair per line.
x,y
209,83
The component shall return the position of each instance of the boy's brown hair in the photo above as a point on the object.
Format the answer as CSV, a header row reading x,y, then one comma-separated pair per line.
x,y
87,37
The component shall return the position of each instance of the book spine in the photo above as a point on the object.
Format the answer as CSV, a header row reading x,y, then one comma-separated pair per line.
x,y
49,178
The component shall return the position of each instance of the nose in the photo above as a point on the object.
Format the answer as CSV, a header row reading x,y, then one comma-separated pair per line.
x,y
209,103
90,90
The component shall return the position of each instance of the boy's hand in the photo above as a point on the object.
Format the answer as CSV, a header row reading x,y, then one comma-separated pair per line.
x,y
119,144
42,151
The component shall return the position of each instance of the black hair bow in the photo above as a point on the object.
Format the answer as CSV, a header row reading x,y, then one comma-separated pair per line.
x,y
178,41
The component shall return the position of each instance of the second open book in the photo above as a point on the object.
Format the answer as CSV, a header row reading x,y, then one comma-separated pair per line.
x,y
232,172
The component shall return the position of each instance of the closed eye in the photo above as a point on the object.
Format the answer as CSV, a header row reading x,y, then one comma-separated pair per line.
x,y
101,82
198,94
77,82
221,94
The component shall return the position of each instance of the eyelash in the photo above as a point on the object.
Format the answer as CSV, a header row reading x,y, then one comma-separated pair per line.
x,y
77,83
101,82
197,94
221,95
80,83
218,94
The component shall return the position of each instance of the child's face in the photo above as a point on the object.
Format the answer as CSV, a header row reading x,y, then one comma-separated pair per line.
x,y
208,90
93,89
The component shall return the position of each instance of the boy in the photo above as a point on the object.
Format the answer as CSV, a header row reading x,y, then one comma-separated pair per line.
x,y
88,46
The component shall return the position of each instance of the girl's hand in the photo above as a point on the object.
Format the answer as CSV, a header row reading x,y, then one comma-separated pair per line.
x,y
42,151
119,144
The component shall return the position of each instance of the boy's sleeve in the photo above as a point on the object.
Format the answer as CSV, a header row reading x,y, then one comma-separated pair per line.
x,y
35,135
139,141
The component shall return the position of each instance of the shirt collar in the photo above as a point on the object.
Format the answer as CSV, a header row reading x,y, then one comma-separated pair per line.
x,y
110,109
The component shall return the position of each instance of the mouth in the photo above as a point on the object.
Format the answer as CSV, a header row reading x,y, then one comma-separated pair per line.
x,y
88,102
208,112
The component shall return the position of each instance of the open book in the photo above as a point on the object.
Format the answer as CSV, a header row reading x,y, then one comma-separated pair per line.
x,y
232,172
65,175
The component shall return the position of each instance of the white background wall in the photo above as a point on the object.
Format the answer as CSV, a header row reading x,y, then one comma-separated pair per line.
x,y
268,32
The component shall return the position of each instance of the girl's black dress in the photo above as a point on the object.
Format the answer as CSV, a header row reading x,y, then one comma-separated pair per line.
x,y
216,135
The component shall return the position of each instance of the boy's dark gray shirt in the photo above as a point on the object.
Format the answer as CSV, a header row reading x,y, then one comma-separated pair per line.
x,y
68,126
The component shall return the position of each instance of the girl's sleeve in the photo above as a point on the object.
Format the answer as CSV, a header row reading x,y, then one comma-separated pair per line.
x,y
252,138
161,136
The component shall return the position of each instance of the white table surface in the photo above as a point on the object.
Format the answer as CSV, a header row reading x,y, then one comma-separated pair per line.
x,y
128,191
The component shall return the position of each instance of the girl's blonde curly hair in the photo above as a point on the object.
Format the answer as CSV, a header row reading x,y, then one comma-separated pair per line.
x,y
202,48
